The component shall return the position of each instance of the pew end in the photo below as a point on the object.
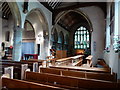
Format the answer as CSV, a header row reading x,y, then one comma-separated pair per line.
x,y
5,76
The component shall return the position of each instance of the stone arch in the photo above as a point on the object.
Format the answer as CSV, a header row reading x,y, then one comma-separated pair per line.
x,y
60,15
71,34
16,13
42,20
29,31
39,22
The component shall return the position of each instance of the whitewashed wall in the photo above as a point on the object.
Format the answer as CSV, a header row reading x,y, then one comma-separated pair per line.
x,y
96,17
112,58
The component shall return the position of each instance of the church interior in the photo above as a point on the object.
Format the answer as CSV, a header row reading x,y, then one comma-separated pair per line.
x,y
60,44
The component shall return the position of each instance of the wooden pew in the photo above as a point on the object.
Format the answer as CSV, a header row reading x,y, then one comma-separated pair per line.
x,y
19,69
102,76
90,75
52,61
62,72
70,60
20,84
32,65
89,60
96,84
90,69
70,81
36,60
7,70
79,57
40,62
63,61
50,70
81,74
43,78
102,63
77,63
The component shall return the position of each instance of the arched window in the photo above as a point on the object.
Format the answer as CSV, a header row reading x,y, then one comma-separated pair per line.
x,y
82,38
60,41
54,39
66,42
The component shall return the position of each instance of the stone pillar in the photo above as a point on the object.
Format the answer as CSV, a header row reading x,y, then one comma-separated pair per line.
x,y
17,44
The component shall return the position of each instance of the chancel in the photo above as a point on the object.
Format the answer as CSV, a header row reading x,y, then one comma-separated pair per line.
x,y
57,44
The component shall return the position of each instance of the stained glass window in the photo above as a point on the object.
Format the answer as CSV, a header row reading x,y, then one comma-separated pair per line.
x,y
81,38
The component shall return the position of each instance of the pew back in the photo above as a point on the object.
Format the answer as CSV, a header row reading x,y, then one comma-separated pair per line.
x,y
19,69
101,76
32,65
73,73
70,81
50,70
90,69
7,70
81,74
14,83
51,78
45,79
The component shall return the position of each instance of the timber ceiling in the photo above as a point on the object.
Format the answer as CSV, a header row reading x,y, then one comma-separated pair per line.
x,y
72,18
57,6
4,10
